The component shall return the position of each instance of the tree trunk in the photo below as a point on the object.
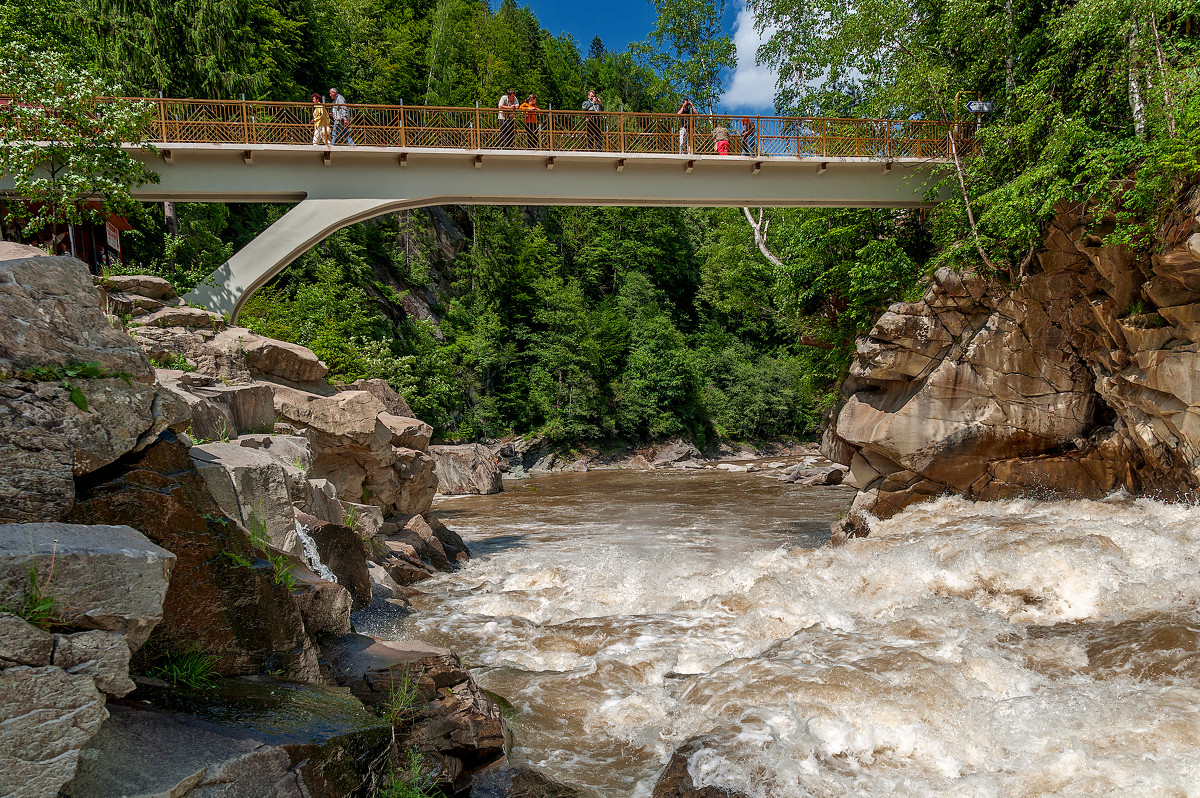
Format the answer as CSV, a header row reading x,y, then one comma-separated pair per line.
x,y
1135,92
760,236
1010,59
172,224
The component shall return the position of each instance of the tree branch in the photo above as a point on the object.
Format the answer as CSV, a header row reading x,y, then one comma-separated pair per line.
x,y
760,236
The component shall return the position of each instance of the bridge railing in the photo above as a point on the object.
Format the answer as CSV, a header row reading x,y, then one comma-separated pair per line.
x,y
413,127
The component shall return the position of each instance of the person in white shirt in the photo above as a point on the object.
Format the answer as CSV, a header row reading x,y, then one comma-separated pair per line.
x,y
507,116
341,119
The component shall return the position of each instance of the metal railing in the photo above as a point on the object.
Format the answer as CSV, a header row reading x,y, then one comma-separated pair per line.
x,y
414,127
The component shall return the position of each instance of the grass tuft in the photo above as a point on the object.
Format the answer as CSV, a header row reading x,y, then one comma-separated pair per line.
x,y
192,669
408,781
37,604
401,707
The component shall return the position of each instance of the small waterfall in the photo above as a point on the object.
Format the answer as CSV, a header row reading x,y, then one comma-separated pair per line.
x,y
312,556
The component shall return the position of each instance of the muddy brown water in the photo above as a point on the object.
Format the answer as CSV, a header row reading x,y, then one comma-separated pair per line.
x,y
1018,648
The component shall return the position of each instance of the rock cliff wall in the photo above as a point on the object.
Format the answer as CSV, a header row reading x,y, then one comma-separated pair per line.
x,y
1081,380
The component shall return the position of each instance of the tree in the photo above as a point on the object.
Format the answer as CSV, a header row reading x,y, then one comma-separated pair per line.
x,y
62,149
597,48
688,48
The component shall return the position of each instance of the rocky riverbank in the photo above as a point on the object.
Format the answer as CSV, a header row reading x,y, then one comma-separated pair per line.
x,y
1078,381
190,516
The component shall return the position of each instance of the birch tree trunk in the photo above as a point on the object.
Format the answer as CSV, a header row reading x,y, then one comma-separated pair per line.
x,y
1136,104
760,236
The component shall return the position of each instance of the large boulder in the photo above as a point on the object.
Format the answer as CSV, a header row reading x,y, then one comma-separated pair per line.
x,y
251,487
1078,381
418,480
454,725
269,357
466,468
102,577
341,550
220,412
223,598
262,738
392,401
75,392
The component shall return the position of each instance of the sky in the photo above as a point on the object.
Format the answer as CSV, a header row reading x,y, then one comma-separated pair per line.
x,y
618,22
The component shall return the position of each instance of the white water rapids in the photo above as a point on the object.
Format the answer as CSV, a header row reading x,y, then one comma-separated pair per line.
x,y
1017,648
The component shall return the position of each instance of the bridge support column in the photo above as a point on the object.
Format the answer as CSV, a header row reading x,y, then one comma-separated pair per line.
x,y
253,266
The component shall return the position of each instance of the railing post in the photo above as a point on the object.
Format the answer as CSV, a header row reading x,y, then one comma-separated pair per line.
x,y
402,136
162,119
245,123
824,138
550,130
887,140
622,131
478,138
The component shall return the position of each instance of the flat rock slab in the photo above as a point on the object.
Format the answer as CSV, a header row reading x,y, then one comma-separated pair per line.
x,y
144,285
247,738
104,577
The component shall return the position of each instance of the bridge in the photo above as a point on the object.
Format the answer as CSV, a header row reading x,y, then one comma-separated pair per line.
x,y
414,156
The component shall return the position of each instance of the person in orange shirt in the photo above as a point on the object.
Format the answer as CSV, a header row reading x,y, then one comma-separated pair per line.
x,y
530,107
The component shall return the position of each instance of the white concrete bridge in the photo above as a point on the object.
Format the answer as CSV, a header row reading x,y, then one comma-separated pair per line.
x,y
410,157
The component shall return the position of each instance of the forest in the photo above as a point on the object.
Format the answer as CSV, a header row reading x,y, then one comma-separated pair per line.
x,y
592,325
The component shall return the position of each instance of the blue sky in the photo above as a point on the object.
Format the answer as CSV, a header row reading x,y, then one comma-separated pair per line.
x,y
618,22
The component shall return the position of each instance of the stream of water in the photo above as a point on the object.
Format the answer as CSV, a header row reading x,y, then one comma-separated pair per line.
x,y
1016,648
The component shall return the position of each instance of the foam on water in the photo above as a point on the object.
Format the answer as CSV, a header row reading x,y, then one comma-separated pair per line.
x,y
1013,648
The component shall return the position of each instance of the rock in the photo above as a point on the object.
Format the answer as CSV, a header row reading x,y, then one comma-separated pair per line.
x,y
672,452
518,781
50,320
638,462
262,738
466,468
251,487
267,356
322,501
1044,389
143,285
416,532
22,643
734,468
237,615
831,475
392,401
102,577
11,250
676,779
324,606
407,433
104,656
186,317
457,725
456,549
46,716
418,480
341,549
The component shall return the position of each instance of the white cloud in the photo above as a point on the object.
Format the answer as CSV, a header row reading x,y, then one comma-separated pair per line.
x,y
751,87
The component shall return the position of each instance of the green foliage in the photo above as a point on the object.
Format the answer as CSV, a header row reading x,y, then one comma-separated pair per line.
x,y
61,150
176,361
688,49
281,566
408,781
36,604
192,669
402,705
237,560
256,532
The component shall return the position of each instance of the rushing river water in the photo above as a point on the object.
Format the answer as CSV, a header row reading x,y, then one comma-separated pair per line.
x,y
1016,648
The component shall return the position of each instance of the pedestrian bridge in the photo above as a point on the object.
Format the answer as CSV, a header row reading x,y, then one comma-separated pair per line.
x,y
410,156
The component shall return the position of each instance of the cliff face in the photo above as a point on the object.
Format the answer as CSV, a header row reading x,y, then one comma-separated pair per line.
x,y
1083,379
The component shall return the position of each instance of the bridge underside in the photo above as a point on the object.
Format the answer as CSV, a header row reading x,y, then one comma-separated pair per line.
x,y
336,188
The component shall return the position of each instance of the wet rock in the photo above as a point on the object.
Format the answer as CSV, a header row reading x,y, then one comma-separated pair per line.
x,y
244,739
324,606
453,544
830,475
104,656
46,717
518,781
676,780
457,726
341,549
235,613
465,469
417,533
104,577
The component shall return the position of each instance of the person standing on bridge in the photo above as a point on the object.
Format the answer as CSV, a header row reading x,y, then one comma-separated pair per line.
x,y
721,138
686,111
593,106
320,121
748,132
341,119
508,122
530,107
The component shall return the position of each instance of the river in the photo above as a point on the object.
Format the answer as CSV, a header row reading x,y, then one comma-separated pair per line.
x,y
1015,648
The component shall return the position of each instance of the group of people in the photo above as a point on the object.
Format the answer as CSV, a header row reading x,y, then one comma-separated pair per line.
x,y
331,128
